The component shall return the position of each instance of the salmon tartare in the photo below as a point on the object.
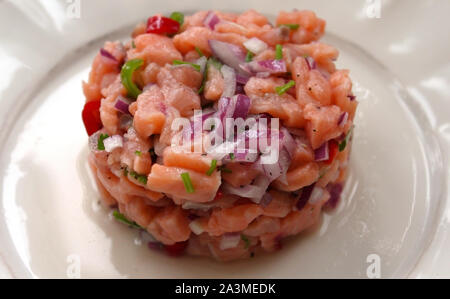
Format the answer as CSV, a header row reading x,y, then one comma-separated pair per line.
x,y
219,134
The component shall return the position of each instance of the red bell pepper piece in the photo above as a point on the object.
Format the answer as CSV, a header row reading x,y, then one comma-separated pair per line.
x,y
91,117
162,25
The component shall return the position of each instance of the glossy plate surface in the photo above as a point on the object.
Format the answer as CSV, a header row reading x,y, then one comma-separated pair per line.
x,y
396,203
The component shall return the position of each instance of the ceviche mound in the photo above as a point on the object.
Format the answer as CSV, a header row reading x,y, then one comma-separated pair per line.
x,y
164,155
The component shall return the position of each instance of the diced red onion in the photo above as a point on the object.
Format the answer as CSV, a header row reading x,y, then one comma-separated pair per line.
x,y
202,63
108,55
241,79
229,54
322,154
335,195
253,191
113,142
240,89
351,97
229,77
151,242
211,20
304,197
316,195
195,227
255,45
263,75
125,121
242,106
122,104
311,63
229,240
272,66
343,119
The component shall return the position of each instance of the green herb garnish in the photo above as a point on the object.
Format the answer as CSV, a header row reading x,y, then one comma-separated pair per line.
x,y
291,26
344,142
279,52
121,218
197,49
195,66
212,168
282,89
224,169
215,63
231,156
139,177
126,76
249,56
138,153
133,45
177,16
100,144
246,240
187,182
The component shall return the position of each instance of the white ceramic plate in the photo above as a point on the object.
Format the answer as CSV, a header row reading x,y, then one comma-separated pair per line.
x,y
396,203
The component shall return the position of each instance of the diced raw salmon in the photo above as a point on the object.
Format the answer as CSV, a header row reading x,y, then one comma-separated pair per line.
x,y
168,180
232,219
322,124
341,88
189,160
148,112
170,226
265,100
311,27
299,177
214,85
262,225
240,175
281,204
154,48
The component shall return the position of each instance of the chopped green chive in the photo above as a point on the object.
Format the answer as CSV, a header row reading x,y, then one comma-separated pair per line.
x,y
100,144
177,16
212,168
133,45
138,153
279,52
125,172
139,177
282,89
214,63
249,56
246,240
291,26
187,182
231,156
195,66
126,76
121,218
197,49
344,142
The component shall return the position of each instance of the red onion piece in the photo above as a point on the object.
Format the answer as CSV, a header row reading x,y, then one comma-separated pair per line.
x,y
229,240
351,97
322,154
343,119
242,79
311,63
211,20
242,106
202,61
113,142
229,76
108,55
271,66
253,191
316,195
304,197
122,104
229,54
255,45
335,195
195,227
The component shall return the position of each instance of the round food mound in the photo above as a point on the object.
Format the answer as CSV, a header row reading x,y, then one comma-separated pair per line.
x,y
220,134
